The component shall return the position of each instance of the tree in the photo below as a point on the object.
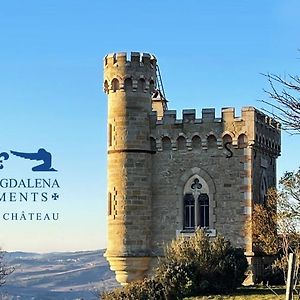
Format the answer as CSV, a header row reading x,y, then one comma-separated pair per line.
x,y
276,222
4,270
265,219
285,101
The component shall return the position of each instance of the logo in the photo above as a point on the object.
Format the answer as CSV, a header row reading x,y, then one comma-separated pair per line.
x,y
25,192
41,155
3,156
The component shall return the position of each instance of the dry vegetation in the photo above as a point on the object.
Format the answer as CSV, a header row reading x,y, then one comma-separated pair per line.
x,y
255,293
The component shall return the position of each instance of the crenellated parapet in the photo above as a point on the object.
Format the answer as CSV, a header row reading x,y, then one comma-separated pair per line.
x,y
188,117
251,129
131,74
267,137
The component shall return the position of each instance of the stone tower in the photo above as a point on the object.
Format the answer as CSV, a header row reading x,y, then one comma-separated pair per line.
x,y
169,176
129,86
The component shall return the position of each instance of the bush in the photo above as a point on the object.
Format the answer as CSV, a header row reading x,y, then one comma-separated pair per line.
x,y
191,266
138,290
273,276
207,265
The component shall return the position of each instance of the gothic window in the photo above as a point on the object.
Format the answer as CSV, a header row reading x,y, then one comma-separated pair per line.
x,y
204,210
195,206
189,211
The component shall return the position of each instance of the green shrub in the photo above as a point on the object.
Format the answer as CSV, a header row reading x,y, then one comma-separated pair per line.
x,y
175,278
147,289
191,266
207,265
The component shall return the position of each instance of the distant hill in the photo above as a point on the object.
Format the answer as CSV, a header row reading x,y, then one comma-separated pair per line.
x,y
59,276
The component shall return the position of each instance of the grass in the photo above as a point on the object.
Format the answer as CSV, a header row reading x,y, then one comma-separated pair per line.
x,y
248,293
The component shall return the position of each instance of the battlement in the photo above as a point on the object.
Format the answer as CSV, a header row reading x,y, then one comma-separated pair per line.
x,y
262,118
252,125
136,59
188,116
209,115
137,74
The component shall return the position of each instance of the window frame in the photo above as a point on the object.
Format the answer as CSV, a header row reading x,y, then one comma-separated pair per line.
x,y
196,212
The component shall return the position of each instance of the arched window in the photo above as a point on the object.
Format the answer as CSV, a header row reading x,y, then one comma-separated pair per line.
x,y
128,84
181,143
242,141
195,204
115,84
189,211
227,139
211,141
204,210
196,142
166,143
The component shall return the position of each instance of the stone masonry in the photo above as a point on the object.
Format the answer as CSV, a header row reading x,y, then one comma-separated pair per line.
x,y
168,176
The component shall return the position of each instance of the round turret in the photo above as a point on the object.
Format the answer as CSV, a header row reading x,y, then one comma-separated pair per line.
x,y
129,85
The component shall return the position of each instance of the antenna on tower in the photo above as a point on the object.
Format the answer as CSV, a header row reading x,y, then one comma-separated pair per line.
x,y
159,93
159,82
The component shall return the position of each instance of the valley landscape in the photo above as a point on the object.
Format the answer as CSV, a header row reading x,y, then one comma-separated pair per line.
x,y
61,276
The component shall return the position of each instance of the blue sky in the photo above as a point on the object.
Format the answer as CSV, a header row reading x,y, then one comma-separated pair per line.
x,y
211,54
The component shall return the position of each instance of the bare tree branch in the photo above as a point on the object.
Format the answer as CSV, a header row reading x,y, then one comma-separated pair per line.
x,y
284,101
4,270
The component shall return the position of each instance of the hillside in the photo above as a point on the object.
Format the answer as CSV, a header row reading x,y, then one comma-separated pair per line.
x,y
61,276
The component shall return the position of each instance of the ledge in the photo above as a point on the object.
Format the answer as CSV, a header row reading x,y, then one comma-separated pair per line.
x,y
190,232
